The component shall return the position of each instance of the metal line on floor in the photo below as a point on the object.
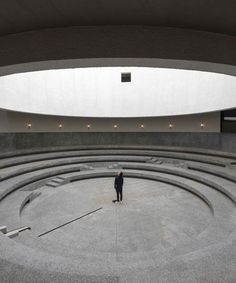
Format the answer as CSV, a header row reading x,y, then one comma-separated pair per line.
x,y
84,215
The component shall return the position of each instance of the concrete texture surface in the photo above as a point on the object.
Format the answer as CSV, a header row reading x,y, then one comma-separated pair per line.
x,y
216,141
160,233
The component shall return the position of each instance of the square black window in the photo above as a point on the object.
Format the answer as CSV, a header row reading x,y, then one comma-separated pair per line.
x,y
125,77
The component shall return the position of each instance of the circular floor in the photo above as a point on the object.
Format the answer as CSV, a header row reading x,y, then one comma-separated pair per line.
x,y
153,216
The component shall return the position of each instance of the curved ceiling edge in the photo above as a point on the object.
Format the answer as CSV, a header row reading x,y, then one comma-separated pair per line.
x,y
143,46
119,62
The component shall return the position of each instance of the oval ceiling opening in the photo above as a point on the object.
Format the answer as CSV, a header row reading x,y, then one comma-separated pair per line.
x,y
99,92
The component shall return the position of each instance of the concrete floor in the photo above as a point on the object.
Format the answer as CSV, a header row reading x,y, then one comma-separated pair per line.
x,y
152,216
160,233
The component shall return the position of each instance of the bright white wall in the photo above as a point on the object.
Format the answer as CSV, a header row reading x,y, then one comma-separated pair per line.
x,y
98,92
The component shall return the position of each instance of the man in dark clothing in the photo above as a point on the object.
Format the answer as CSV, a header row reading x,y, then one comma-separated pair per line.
x,y
119,186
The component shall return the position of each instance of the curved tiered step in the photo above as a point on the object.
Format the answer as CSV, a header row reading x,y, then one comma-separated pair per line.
x,y
17,184
200,151
67,158
69,161
180,174
212,171
190,156
36,168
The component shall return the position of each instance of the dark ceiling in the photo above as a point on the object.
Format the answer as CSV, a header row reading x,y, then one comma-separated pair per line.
x,y
206,15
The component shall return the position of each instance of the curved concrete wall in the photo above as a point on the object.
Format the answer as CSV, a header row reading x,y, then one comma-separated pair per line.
x,y
116,46
98,92
13,141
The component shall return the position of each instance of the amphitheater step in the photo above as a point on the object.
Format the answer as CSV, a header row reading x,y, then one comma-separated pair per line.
x,y
29,199
12,234
86,167
16,232
154,160
211,171
114,166
61,178
56,182
3,229
179,173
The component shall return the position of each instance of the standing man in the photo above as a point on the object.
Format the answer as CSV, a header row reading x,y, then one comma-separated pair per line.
x,y
119,186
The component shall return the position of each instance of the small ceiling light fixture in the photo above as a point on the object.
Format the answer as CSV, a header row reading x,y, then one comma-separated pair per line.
x,y
29,125
171,125
202,125
88,126
60,125
115,126
142,126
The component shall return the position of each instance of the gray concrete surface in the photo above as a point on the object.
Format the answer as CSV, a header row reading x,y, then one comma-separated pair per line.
x,y
160,233
217,141
117,46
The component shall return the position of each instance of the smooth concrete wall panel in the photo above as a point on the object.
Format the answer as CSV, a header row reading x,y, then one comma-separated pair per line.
x,y
218,141
98,92
17,122
7,142
117,46
228,142
195,14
